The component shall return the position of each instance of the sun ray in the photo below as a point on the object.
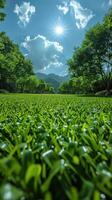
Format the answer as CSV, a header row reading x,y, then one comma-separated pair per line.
x,y
59,30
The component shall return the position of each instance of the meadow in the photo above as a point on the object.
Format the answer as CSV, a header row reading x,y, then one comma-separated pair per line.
x,y
55,147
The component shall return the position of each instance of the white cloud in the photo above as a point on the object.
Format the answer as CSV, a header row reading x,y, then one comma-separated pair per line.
x,y
44,54
110,2
64,7
24,12
56,67
82,15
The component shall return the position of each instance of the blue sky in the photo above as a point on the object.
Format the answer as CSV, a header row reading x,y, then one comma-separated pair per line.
x,y
33,25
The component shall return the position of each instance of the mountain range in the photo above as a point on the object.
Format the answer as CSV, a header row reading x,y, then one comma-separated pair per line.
x,y
52,79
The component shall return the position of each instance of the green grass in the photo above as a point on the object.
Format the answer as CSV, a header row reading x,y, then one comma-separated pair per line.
x,y
55,147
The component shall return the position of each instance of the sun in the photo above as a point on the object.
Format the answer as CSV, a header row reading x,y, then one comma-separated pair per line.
x,y
59,30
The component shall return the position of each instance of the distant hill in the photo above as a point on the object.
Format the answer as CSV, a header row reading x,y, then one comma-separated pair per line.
x,y
53,79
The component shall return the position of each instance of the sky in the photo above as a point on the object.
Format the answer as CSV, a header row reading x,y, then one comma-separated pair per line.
x,y
48,31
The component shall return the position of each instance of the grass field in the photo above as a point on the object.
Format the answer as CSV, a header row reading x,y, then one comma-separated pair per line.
x,y
55,147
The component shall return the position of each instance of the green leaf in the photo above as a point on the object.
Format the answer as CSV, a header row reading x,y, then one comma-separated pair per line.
x,y
48,196
33,171
96,195
72,194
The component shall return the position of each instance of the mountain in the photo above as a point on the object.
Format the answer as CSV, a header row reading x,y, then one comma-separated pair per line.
x,y
53,79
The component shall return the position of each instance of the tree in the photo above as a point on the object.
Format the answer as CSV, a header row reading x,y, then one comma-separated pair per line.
x,y
31,84
27,84
13,64
2,5
16,72
93,60
99,39
67,87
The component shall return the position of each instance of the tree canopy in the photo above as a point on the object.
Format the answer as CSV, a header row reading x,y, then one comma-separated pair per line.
x,y
16,72
13,64
2,14
93,59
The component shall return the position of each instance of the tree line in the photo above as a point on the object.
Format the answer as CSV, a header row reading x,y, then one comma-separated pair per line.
x,y
91,64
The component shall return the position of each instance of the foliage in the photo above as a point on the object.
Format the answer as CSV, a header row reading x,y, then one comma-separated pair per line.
x,y
2,5
82,85
13,64
79,85
66,87
93,59
53,80
30,84
55,147
16,72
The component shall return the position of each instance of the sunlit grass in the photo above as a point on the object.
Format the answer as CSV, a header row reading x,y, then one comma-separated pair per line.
x,y
55,147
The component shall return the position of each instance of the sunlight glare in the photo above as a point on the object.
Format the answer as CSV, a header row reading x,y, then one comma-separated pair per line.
x,y
59,30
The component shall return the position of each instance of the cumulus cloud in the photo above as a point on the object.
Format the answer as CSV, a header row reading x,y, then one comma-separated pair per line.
x,y
44,54
24,12
63,7
82,15
110,2
56,67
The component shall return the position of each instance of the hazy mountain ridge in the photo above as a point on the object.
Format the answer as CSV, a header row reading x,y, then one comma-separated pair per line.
x,y
53,79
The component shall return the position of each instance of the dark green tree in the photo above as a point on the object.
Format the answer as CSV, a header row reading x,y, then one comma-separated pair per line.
x,y
13,64
93,60
2,5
